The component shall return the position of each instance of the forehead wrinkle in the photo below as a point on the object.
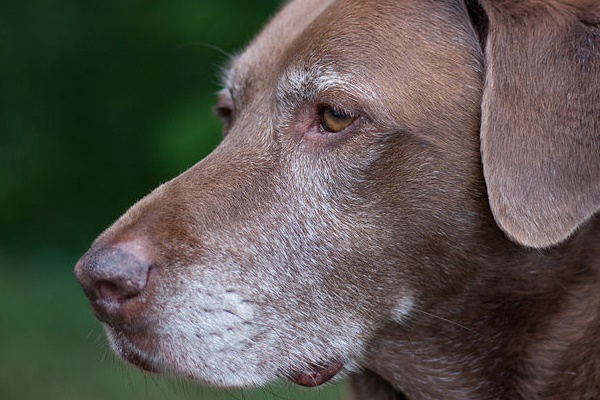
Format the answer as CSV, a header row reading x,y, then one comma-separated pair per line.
x,y
307,84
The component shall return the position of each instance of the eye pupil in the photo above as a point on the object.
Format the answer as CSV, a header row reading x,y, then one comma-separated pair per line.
x,y
337,114
333,120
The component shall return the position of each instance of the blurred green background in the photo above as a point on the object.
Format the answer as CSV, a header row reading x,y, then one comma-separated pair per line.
x,y
100,101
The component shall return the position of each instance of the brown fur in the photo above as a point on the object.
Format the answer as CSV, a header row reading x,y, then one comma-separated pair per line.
x,y
446,245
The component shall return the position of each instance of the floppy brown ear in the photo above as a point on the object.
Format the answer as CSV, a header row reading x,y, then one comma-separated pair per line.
x,y
540,132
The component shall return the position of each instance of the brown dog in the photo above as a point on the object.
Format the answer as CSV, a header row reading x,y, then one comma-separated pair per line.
x,y
406,193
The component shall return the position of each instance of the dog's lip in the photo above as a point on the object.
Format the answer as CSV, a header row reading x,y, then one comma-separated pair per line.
x,y
315,374
139,361
135,347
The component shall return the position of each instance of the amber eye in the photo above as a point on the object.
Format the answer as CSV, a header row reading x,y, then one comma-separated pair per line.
x,y
333,120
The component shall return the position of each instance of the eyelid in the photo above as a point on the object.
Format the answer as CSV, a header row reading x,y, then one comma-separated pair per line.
x,y
224,101
224,109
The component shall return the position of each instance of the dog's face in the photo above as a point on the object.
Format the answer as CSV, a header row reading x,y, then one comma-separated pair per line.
x,y
283,250
347,192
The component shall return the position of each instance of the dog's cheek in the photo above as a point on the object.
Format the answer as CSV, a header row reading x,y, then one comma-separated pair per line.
x,y
217,335
219,332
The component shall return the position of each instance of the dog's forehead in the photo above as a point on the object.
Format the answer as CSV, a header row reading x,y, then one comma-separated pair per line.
x,y
347,24
311,31
355,35
276,37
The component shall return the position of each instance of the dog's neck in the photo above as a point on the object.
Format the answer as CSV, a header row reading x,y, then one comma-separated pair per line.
x,y
524,328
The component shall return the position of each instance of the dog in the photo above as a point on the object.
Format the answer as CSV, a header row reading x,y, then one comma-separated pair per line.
x,y
406,194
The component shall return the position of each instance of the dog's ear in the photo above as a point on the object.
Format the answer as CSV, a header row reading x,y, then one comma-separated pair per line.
x,y
540,129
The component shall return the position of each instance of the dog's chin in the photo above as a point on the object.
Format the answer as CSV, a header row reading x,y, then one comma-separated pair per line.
x,y
145,353
135,349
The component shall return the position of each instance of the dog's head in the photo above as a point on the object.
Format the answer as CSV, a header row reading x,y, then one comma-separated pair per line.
x,y
349,189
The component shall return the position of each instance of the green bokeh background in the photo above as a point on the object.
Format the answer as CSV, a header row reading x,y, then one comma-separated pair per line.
x,y
100,101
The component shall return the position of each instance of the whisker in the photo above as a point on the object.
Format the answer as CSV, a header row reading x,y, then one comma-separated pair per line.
x,y
207,45
451,322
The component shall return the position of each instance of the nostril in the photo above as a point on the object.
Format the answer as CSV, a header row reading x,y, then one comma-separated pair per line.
x,y
112,275
110,292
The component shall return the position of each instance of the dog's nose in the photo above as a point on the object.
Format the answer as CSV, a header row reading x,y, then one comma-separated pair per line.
x,y
111,277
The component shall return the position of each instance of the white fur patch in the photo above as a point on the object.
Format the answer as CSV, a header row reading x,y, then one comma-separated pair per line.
x,y
403,309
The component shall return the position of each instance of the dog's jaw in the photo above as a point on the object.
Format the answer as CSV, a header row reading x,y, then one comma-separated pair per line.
x,y
214,332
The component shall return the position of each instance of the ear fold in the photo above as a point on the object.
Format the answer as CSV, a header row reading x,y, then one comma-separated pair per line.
x,y
540,132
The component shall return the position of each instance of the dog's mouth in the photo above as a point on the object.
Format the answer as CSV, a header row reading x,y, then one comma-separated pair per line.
x,y
140,361
125,344
138,349
315,374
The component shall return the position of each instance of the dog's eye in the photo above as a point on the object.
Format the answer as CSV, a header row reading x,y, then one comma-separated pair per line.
x,y
334,120
224,109
224,113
